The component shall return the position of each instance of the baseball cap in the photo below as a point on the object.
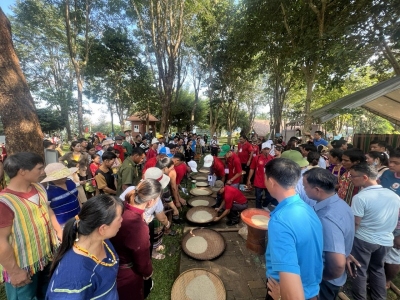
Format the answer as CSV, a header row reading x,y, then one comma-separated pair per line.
x,y
157,174
193,165
155,141
165,151
224,149
208,160
295,156
267,144
217,186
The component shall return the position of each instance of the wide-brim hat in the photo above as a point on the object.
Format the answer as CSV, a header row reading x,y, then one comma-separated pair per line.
x,y
157,174
224,149
56,171
295,156
217,186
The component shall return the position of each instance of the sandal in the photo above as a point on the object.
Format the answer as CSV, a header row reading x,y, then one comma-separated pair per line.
x,y
158,256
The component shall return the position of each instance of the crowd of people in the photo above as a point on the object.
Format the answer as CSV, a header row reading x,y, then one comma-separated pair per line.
x,y
90,225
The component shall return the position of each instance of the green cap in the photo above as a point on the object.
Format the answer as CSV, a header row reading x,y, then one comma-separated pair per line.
x,y
295,156
224,149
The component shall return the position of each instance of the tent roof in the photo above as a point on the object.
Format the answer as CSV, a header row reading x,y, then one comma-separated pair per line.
x,y
382,99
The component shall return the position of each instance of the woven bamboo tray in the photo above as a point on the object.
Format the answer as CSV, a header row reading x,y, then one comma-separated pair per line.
x,y
178,291
204,170
211,201
190,212
215,243
201,191
202,184
199,177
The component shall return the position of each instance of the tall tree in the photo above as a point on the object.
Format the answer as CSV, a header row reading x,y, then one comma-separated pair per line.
x,y
116,74
40,43
17,109
162,21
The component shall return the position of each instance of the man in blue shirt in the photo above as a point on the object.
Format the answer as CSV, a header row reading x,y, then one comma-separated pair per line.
x,y
318,140
338,229
294,252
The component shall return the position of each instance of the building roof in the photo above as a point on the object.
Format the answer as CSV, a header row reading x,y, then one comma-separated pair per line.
x,y
261,127
382,99
142,117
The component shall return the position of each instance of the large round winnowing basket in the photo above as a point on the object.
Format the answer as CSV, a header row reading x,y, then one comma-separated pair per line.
x,y
178,291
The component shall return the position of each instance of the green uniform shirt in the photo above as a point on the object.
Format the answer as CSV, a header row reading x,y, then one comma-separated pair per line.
x,y
128,148
128,174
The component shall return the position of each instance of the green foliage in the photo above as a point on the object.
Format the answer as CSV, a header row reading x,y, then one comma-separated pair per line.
x,y
50,120
116,74
182,108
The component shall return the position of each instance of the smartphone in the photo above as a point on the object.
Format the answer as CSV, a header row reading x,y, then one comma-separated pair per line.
x,y
353,269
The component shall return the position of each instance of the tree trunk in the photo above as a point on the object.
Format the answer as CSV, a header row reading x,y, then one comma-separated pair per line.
x,y
17,109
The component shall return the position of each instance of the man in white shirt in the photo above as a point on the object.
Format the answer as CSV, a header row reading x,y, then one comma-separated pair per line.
x,y
376,212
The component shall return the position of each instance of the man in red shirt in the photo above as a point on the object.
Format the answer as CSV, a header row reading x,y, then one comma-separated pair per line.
x,y
257,168
234,203
151,163
180,167
153,149
245,153
217,167
234,167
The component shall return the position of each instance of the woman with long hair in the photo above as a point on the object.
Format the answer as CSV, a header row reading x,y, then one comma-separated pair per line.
x,y
86,264
132,241
379,160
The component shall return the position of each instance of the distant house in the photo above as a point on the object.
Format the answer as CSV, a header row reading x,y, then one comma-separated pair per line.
x,y
261,128
138,123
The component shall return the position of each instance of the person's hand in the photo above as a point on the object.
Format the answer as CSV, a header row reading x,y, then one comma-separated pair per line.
x,y
216,219
178,204
182,201
248,185
229,182
274,289
20,278
352,264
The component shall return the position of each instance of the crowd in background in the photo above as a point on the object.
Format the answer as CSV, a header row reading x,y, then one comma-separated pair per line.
x,y
100,214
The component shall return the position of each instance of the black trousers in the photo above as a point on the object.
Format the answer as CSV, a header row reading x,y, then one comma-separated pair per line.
x,y
328,291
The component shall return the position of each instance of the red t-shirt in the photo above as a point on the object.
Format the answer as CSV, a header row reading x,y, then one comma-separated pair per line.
x,y
151,163
151,153
244,151
218,167
121,151
234,167
180,172
232,195
256,150
258,164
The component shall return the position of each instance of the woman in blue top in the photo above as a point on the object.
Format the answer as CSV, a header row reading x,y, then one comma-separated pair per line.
x,y
86,264
62,192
